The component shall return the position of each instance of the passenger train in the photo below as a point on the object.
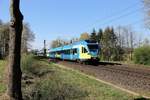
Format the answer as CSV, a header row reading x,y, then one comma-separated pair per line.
x,y
82,51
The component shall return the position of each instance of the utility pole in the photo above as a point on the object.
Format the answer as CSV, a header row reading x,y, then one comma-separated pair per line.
x,y
14,70
45,48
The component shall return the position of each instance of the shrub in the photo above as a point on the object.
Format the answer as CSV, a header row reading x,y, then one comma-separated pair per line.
x,y
142,55
54,87
27,63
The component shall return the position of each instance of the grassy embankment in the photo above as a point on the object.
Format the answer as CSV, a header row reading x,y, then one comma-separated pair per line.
x,y
43,81
2,70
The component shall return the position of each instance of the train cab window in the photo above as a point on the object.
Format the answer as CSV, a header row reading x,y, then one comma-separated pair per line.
x,y
84,50
91,47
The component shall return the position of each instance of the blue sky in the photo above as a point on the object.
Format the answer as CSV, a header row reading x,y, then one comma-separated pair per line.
x,y
50,19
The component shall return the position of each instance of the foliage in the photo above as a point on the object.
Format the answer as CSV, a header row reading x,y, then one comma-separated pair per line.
x,y
57,83
2,68
84,36
109,44
93,35
142,55
27,62
117,44
4,40
27,38
99,36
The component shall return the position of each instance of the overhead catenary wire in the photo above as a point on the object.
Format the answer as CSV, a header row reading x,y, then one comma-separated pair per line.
x,y
117,16
121,16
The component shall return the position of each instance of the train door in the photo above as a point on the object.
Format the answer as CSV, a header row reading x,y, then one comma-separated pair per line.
x,y
71,54
75,54
84,53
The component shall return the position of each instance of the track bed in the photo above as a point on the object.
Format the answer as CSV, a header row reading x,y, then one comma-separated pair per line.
x,y
130,77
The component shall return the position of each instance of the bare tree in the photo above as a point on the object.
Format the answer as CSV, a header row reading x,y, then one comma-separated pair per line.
x,y
27,38
147,13
14,70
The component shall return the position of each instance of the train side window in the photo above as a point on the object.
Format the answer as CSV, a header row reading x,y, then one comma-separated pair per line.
x,y
71,51
74,51
67,51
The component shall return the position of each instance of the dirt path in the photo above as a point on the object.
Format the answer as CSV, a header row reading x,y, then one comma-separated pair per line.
x,y
136,79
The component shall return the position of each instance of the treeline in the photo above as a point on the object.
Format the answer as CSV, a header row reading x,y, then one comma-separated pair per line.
x,y
27,38
117,44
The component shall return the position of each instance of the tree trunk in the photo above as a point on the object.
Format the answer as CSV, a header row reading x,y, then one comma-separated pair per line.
x,y
14,70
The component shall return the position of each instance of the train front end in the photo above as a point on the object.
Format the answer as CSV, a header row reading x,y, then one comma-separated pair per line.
x,y
94,51
90,51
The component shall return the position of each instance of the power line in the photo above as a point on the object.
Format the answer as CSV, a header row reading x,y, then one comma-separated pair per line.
x,y
121,16
113,18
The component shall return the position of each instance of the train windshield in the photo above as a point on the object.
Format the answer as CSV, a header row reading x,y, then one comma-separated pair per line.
x,y
93,47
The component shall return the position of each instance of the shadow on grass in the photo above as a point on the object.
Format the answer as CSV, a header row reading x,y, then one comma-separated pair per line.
x,y
102,63
41,58
108,63
141,98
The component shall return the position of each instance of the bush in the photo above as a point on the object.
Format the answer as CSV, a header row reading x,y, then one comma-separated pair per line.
x,y
142,55
27,63
56,89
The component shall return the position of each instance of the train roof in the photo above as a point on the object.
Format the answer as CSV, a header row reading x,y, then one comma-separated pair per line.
x,y
65,47
56,49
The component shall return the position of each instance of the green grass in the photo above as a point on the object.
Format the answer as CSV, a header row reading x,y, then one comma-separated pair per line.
x,y
43,81
2,70
95,89
61,84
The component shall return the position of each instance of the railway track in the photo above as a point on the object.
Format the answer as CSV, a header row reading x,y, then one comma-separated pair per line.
x,y
140,73
132,78
129,72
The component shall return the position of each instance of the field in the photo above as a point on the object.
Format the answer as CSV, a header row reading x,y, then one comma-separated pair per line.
x,y
44,81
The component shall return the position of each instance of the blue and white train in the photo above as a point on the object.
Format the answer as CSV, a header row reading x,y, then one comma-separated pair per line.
x,y
81,51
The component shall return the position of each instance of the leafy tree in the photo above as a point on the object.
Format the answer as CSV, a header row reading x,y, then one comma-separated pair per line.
x,y
109,44
93,35
14,70
142,55
84,36
100,35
